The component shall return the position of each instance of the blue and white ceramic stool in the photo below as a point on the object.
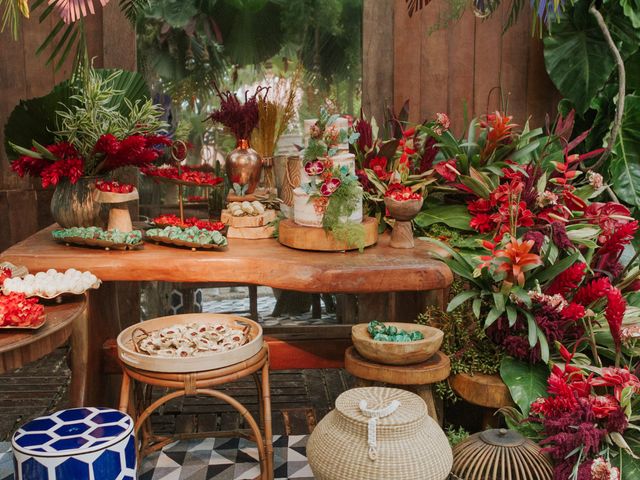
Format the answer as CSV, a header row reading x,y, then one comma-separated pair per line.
x,y
79,444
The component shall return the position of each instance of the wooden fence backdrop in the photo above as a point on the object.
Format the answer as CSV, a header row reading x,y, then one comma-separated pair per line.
x,y
445,69
24,207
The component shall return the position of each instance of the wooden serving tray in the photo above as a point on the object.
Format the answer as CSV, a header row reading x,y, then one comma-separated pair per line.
x,y
107,245
181,243
128,354
248,220
317,239
43,319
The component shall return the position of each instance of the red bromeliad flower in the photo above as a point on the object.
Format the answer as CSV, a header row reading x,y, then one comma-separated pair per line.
x,y
517,260
592,291
500,131
568,280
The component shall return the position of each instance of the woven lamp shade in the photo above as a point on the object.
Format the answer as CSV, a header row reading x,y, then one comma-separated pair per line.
x,y
500,454
410,444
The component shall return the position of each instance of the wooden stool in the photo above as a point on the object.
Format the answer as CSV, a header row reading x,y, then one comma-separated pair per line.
x,y
201,383
418,377
487,391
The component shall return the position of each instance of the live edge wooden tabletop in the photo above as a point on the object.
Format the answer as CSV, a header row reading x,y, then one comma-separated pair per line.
x,y
19,347
260,262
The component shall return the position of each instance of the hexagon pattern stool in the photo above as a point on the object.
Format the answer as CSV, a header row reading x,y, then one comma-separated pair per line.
x,y
79,444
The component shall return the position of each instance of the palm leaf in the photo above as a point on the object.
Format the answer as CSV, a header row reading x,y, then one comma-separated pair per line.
x,y
132,8
36,120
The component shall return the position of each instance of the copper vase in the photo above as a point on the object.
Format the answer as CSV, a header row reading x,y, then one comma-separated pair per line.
x,y
243,166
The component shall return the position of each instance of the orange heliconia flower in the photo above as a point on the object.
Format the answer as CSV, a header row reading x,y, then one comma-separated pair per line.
x,y
518,257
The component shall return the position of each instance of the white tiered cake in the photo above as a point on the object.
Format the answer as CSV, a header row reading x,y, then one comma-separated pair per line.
x,y
306,210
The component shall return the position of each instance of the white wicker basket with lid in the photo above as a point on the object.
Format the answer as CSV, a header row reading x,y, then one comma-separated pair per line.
x,y
408,443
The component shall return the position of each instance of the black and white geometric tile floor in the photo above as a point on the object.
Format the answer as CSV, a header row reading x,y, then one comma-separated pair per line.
x,y
210,459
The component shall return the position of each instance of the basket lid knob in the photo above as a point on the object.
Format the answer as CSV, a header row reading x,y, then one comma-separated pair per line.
x,y
502,437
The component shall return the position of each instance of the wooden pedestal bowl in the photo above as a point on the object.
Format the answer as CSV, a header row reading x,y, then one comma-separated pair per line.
x,y
403,213
397,353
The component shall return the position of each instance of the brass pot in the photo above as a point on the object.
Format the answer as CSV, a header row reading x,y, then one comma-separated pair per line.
x,y
243,166
73,204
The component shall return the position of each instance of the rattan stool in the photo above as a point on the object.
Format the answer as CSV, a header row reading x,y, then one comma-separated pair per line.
x,y
417,378
200,383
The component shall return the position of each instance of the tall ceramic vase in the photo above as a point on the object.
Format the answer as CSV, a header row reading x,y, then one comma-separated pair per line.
x,y
243,166
73,204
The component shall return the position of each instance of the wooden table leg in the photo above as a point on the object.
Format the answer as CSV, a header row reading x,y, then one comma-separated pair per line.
x,y
426,393
102,321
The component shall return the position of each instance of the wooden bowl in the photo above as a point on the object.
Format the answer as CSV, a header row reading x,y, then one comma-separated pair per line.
x,y
403,211
142,361
393,353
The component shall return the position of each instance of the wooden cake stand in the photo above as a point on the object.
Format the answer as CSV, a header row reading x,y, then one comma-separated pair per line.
x,y
317,239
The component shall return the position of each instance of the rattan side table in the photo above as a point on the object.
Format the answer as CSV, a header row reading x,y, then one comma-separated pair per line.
x,y
137,385
417,378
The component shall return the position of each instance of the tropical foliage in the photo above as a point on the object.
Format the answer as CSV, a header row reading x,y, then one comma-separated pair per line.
x,y
88,125
550,272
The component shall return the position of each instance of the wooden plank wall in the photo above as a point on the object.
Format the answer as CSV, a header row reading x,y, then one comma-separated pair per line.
x,y
469,62
24,207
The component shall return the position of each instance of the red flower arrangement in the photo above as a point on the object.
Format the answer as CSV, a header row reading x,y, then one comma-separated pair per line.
x,y
16,310
239,118
580,414
62,160
113,186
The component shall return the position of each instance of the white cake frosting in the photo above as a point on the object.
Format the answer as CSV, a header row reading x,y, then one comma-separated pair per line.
x,y
304,210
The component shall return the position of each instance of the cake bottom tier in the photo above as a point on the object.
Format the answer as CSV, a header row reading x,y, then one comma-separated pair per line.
x,y
304,211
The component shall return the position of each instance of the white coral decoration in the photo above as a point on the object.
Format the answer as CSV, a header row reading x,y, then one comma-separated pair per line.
x,y
595,180
602,470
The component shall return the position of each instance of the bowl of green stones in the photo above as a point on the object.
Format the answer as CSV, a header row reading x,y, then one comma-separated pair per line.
x,y
396,343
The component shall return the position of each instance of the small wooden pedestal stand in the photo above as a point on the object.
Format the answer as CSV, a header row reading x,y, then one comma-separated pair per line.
x,y
418,377
119,217
487,391
201,383
318,239
403,213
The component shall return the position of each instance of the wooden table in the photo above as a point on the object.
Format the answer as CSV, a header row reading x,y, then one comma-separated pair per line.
x,y
19,347
257,262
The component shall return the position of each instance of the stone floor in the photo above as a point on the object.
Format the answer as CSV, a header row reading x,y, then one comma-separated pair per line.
x,y
300,397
